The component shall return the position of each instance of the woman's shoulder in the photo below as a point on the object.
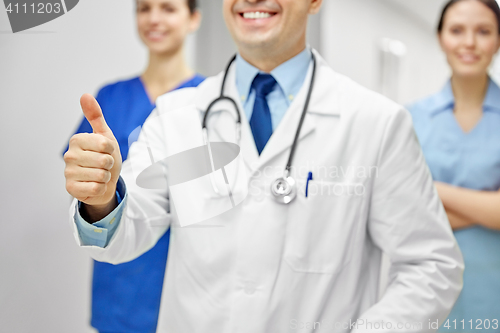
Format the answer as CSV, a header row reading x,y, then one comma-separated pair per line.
x,y
119,87
192,82
424,107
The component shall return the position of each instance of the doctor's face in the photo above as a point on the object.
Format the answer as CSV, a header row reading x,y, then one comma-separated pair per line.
x,y
163,25
469,37
269,26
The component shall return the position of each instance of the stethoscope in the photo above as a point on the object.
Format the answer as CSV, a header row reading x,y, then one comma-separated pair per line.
x,y
284,189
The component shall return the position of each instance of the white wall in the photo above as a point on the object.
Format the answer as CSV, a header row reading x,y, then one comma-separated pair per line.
x,y
495,70
351,31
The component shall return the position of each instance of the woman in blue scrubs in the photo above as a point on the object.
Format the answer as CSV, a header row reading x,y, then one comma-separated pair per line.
x,y
126,297
459,131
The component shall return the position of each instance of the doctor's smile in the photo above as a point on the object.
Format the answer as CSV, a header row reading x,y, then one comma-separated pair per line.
x,y
259,13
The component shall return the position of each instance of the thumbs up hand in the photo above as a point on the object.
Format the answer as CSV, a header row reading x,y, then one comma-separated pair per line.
x,y
93,164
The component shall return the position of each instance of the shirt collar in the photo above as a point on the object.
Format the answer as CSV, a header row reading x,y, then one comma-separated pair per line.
x,y
444,100
492,99
290,75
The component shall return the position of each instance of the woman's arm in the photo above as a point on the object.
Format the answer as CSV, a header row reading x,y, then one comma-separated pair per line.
x,y
482,207
457,221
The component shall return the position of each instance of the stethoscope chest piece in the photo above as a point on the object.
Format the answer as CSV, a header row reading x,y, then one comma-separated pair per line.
x,y
284,190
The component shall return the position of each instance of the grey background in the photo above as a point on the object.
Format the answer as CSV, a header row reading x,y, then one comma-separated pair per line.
x,y
44,277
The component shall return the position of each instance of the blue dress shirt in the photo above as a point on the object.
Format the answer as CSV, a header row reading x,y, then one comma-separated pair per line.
x,y
116,289
290,77
470,160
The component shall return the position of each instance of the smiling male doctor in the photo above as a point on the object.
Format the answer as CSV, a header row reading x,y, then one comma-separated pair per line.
x,y
271,267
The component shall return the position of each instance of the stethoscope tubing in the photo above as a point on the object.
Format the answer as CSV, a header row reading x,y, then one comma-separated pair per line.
x,y
223,98
286,178
302,117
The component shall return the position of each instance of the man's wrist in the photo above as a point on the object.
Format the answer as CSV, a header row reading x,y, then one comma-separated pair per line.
x,y
95,213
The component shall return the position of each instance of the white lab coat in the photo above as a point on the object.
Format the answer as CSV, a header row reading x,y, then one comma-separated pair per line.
x,y
312,265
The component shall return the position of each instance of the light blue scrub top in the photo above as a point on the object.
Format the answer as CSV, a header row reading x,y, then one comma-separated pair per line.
x,y
470,160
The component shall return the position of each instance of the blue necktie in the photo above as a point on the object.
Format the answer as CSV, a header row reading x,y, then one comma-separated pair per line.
x,y
260,122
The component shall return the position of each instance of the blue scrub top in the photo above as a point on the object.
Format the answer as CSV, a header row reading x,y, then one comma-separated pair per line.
x,y
470,160
126,297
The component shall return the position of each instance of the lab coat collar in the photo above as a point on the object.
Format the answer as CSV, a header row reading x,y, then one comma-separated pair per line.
x,y
324,101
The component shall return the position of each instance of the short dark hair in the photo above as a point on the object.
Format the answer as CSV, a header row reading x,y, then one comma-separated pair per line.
x,y
491,4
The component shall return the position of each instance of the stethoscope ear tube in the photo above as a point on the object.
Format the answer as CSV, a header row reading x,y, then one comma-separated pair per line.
x,y
222,98
205,129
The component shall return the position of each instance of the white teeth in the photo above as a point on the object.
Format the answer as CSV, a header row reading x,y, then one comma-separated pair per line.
x,y
155,34
256,15
468,58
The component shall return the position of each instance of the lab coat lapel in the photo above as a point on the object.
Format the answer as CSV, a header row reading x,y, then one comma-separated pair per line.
x,y
324,102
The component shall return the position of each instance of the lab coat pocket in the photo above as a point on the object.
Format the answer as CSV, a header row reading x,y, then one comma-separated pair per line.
x,y
324,227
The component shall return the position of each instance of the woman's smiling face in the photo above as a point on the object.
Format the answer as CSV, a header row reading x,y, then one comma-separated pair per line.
x,y
164,24
469,37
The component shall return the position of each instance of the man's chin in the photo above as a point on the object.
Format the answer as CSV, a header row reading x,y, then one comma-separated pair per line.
x,y
257,43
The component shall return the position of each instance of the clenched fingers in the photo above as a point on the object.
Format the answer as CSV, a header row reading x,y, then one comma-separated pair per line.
x,y
92,142
84,190
79,174
88,159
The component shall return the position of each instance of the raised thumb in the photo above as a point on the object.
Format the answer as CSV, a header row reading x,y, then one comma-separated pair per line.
x,y
93,113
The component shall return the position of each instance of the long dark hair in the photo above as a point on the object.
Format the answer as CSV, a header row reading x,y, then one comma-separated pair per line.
x,y
491,4
193,4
